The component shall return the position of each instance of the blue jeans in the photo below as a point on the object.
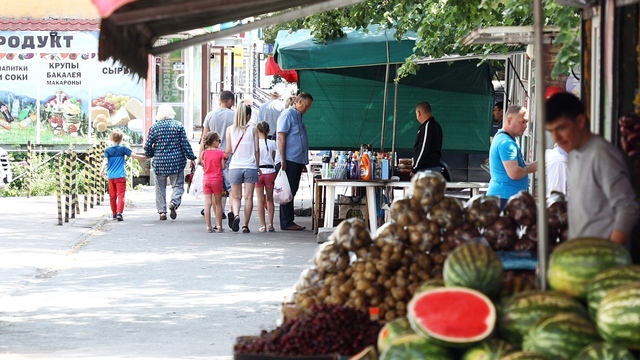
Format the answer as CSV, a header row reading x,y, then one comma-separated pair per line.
x,y
294,172
177,184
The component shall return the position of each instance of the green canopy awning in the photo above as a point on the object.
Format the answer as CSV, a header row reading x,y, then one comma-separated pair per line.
x,y
376,46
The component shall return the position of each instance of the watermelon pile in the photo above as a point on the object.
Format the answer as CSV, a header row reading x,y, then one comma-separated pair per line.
x,y
459,314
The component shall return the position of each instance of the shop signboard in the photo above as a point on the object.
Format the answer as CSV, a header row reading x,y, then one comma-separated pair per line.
x,y
55,91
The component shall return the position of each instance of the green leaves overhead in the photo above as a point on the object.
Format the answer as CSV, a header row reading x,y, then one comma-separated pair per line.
x,y
442,24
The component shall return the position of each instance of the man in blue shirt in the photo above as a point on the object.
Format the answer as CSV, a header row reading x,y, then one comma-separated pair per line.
x,y
509,173
293,144
167,143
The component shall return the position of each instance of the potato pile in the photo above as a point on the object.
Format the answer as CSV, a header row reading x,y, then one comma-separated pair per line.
x,y
384,269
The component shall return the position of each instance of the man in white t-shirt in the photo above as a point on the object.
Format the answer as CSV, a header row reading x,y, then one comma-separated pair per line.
x,y
556,166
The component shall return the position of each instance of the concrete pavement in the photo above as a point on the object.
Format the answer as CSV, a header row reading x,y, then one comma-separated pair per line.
x,y
96,288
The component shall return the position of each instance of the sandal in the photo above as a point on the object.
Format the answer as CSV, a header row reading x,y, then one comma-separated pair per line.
x,y
271,229
235,224
245,230
218,229
262,229
210,229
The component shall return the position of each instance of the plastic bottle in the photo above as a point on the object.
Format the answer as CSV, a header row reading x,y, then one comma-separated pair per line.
x,y
355,169
365,167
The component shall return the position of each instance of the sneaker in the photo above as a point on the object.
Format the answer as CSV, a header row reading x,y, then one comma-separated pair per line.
x,y
202,212
223,216
119,217
172,211
230,217
114,216
163,216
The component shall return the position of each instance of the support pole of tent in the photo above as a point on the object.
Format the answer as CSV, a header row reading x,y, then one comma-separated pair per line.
x,y
543,235
384,108
395,120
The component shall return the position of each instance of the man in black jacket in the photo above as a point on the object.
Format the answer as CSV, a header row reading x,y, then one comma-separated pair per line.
x,y
428,145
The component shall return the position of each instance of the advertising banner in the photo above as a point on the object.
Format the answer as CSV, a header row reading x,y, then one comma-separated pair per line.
x,y
53,90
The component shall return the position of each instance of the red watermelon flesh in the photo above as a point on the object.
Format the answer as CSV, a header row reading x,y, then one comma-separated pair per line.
x,y
453,315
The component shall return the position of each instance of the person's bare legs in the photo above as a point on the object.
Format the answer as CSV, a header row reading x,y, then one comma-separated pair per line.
x,y
217,207
207,210
270,206
261,204
248,202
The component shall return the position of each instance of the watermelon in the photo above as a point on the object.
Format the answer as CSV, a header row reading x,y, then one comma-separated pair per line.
x,y
604,351
475,266
492,349
452,316
574,263
618,316
415,347
522,310
561,336
430,284
608,279
523,355
391,330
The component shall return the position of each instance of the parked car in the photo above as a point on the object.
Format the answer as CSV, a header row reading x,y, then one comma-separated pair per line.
x,y
5,170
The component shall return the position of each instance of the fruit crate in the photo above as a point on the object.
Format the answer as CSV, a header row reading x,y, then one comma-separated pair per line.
x,y
518,260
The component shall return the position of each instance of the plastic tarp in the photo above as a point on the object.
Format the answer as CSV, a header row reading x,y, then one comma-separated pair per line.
x,y
346,78
298,50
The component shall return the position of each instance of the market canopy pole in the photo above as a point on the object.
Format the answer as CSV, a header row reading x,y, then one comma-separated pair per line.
x,y
541,188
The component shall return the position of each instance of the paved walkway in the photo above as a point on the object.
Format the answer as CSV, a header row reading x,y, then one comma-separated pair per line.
x,y
139,289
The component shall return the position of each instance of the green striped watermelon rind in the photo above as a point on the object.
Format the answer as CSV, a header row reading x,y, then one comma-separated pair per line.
x,y
618,317
448,341
603,350
575,262
415,346
391,331
492,349
608,279
475,266
523,355
522,310
561,336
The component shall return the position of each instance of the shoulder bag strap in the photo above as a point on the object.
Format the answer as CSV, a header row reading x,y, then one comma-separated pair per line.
x,y
238,144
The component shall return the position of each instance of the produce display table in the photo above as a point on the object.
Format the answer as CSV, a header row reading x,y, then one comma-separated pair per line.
x,y
473,186
329,198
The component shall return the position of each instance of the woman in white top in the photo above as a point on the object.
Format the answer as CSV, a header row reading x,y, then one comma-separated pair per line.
x,y
242,142
267,176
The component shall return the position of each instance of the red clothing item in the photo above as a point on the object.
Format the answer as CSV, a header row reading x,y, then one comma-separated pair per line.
x,y
117,187
212,160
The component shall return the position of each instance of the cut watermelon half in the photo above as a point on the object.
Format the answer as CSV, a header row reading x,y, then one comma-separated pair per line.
x,y
453,316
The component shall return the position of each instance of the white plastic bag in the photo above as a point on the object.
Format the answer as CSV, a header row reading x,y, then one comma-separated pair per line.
x,y
196,183
281,189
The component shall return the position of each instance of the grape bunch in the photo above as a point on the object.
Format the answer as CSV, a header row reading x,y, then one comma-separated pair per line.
x,y
101,101
111,102
324,330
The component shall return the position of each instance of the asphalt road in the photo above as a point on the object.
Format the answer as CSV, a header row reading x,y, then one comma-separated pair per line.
x,y
95,288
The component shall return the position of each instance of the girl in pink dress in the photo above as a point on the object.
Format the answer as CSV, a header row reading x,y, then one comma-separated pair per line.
x,y
213,160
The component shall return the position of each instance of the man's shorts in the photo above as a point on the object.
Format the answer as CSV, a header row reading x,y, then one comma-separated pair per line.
x,y
266,180
242,176
212,187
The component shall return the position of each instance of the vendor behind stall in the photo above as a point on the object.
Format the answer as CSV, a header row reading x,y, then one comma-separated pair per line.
x,y
603,201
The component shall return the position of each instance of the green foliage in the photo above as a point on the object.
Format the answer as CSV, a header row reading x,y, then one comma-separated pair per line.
x,y
442,24
46,171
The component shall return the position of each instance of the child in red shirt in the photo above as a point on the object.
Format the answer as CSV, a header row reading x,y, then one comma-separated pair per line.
x,y
213,161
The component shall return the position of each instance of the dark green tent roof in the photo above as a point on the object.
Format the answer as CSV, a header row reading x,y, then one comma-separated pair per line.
x,y
298,50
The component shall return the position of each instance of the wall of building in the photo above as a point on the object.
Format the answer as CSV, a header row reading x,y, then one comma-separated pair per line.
x,y
61,9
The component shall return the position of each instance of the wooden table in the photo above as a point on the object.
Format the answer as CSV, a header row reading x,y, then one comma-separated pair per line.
x,y
330,188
